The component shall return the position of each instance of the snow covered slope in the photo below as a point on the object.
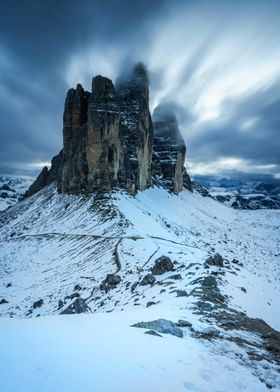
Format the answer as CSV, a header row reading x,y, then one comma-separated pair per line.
x,y
56,248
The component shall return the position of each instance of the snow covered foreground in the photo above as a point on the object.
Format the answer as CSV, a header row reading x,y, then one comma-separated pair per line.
x,y
51,243
82,353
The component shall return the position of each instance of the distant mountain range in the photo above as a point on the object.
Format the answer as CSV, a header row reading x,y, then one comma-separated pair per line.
x,y
12,189
249,195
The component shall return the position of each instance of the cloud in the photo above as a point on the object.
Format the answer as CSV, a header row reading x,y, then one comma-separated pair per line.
x,y
216,64
246,136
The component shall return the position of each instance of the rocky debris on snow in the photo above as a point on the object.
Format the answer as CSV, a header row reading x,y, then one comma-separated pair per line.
x,y
237,262
213,307
78,306
109,140
215,260
210,331
183,324
60,304
162,264
38,304
110,282
175,277
208,293
150,303
9,285
133,286
148,279
162,326
153,333
181,293
72,296
3,301
77,287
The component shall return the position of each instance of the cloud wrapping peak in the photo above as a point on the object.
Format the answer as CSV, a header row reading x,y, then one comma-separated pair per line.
x,y
215,64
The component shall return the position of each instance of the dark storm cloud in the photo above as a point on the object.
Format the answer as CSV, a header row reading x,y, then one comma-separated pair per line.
x,y
248,130
199,53
37,40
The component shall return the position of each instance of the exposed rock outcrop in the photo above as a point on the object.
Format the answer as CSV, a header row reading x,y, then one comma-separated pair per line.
x,y
162,326
162,264
108,140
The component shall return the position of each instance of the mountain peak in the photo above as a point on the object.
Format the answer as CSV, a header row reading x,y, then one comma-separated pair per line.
x,y
109,140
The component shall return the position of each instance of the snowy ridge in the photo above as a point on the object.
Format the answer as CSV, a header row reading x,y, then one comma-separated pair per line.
x,y
57,247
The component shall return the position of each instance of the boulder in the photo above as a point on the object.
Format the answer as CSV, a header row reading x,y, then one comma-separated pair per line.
x,y
72,296
148,279
215,260
78,306
183,324
153,333
161,326
133,286
110,282
175,277
162,264
181,293
38,304
150,303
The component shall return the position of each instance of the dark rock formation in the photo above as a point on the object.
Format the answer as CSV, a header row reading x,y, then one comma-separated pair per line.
x,y
153,333
215,260
169,152
38,304
183,324
162,326
181,293
110,282
162,264
108,140
47,176
78,306
200,189
148,279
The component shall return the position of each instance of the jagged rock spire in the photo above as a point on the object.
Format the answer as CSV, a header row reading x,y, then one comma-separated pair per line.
x,y
169,150
108,140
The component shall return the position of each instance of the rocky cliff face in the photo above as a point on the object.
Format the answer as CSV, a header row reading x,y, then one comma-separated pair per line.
x,y
169,152
109,140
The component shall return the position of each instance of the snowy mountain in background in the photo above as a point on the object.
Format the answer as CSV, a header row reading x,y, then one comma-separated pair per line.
x,y
206,322
248,195
12,189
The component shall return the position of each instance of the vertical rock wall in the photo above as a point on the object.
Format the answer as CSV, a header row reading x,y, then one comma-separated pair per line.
x,y
109,140
169,151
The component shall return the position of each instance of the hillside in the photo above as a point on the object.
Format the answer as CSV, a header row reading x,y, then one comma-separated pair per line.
x,y
57,248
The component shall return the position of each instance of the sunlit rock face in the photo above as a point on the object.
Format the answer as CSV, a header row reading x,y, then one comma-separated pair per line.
x,y
109,140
